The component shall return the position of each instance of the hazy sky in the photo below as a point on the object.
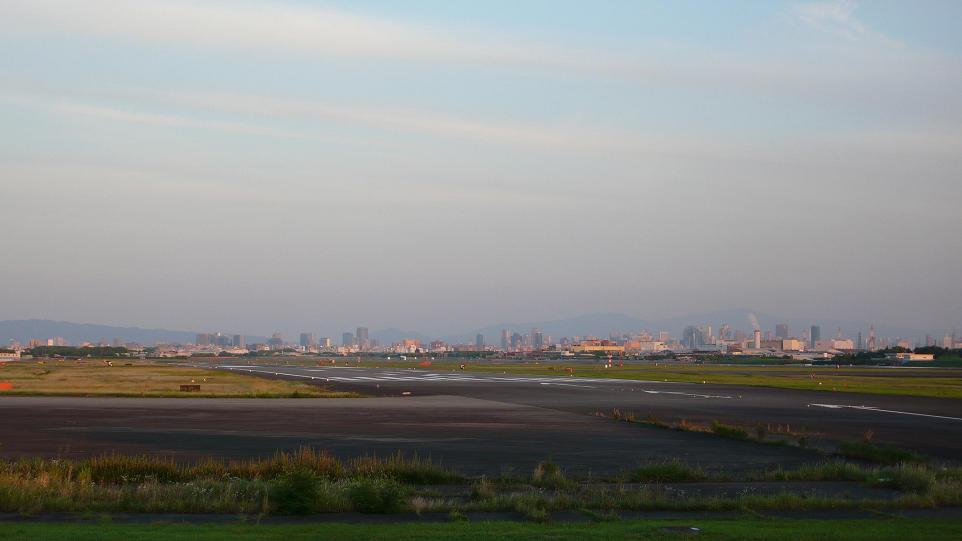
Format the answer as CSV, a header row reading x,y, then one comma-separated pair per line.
x,y
248,166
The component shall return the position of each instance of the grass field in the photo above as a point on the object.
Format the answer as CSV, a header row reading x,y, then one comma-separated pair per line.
x,y
314,482
708,530
142,379
934,382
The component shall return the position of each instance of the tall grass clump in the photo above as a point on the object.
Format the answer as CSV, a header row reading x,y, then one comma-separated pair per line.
x,y
416,470
835,470
913,478
881,454
376,496
673,471
547,474
295,493
728,431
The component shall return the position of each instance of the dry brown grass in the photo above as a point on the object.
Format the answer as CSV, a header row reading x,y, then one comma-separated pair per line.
x,y
144,379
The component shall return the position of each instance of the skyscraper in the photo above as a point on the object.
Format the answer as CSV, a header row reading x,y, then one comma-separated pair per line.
x,y
308,340
347,339
504,339
238,341
479,342
276,342
517,341
816,335
781,331
362,339
537,339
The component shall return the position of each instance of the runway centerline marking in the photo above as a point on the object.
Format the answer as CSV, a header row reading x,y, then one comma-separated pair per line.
x,y
880,410
569,385
686,394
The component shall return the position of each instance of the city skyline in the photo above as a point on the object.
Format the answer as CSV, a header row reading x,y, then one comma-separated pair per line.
x,y
723,325
406,167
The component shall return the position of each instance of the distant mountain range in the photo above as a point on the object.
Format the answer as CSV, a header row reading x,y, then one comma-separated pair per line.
x,y
25,330
601,325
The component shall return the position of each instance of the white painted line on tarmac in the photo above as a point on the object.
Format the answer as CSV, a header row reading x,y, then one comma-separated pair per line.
x,y
568,385
880,410
686,394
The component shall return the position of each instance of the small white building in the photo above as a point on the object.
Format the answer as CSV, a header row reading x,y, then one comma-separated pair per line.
x,y
910,356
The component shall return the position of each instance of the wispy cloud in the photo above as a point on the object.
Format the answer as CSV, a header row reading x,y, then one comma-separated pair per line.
x,y
835,16
266,26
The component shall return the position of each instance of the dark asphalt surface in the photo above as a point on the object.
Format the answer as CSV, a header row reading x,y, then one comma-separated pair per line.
x,y
930,425
477,423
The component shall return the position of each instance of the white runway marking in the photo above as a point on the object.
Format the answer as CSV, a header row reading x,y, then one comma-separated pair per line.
x,y
569,385
872,408
440,377
687,394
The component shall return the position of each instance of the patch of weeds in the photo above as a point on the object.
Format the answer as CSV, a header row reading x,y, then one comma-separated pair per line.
x,y
881,454
376,496
667,472
906,478
728,431
836,470
483,489
549,475
654,421
295,493
457,515
600,515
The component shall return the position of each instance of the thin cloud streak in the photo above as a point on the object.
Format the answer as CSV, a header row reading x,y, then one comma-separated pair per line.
x,y
264,26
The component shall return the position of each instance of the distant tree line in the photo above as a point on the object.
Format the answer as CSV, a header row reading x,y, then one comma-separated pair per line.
x,y
72,351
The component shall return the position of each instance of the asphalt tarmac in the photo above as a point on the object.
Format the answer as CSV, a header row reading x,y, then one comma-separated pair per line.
x,y
477,423
929,425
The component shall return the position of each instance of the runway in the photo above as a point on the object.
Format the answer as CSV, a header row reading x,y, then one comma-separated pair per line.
x,y
930,425
479,423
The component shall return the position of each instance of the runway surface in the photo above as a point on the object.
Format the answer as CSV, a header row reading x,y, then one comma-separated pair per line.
x,y
929,425
477,423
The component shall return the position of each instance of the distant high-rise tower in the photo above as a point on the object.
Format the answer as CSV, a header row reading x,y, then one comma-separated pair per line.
x,y
238,341
505,339
537,339
872,340
308,340
347,339
816,335
203,339
361,337
781,331
276,342
479,342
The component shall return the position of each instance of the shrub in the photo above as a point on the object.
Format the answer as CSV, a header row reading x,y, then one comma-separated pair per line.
x,y
295,493
376,496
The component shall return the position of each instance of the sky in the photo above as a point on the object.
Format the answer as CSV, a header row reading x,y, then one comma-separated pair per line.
x,y
251,166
